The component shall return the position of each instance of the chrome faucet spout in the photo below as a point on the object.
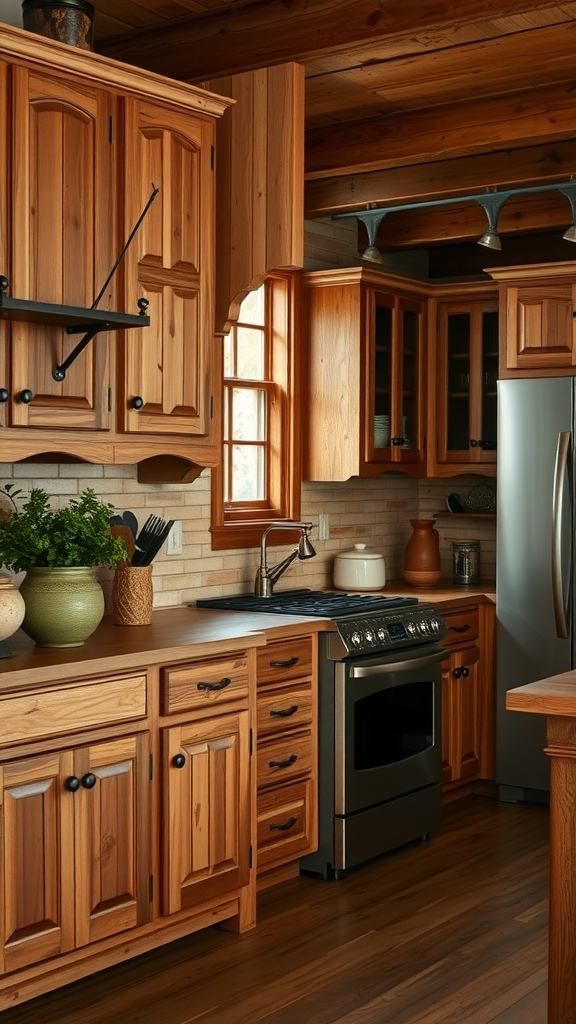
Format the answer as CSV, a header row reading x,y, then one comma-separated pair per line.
x,y
265,577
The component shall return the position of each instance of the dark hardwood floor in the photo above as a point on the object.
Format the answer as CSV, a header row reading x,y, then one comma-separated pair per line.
x,y
453,931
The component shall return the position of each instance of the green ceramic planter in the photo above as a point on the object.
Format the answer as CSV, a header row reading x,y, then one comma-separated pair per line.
x,y
64,605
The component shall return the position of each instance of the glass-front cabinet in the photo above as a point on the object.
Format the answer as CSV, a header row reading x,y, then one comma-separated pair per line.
x,y
364,374
393,428
466,375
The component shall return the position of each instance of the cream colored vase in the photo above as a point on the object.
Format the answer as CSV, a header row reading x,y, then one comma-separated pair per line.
x,y
64,605
12,610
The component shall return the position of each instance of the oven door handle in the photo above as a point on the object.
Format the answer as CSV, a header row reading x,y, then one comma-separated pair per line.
x,y
362,671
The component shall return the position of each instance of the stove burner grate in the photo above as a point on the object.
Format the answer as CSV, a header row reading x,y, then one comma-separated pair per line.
x,y
315,603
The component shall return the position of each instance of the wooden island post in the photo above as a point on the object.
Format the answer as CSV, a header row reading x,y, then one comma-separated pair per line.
x,y
555,697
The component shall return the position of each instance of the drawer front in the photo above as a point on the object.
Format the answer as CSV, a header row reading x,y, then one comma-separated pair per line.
x,y
70,708
186,687
287,659
284,823
284,758
462,626
288,707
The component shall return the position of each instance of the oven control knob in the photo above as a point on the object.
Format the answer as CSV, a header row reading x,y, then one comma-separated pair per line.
x,y
356,639
369,636
423,626
382,635
411,628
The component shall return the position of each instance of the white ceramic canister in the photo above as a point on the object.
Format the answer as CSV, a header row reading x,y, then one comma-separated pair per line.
x,y
359,569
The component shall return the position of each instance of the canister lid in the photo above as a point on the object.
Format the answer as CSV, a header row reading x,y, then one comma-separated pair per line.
x,y
359,551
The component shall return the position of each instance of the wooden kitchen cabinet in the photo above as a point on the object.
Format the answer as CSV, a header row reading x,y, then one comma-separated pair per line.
x,y
462,408
468,696
537,325
128,808
365,376
87,139
287,723
74,854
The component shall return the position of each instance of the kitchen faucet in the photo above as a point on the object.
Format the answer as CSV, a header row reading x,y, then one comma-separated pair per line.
x,y
265,577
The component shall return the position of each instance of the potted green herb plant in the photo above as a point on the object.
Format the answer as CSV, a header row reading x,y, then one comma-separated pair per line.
x,y
59,549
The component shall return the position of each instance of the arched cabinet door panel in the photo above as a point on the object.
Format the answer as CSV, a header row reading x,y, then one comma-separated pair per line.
x,y
63,245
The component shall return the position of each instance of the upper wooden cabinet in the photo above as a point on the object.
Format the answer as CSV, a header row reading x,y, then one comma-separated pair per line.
x,y
463,372
364,374
87,140
538,329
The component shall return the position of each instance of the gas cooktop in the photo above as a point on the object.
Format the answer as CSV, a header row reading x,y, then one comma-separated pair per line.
x,y
316,603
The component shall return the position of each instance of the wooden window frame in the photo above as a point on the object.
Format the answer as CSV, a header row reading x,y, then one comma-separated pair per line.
x,y
243,527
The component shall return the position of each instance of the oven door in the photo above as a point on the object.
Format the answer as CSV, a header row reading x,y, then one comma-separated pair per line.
x,y
387,727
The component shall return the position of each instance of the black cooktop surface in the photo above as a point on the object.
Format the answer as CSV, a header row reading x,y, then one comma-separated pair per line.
x,y
317,603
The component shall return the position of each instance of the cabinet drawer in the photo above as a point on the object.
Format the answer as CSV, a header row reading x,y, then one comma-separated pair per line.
x,y
185,687
70,708
462,626
287,707
287,659
284,822
284,758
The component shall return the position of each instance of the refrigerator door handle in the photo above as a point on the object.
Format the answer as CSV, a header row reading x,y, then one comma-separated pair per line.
x,y
560,479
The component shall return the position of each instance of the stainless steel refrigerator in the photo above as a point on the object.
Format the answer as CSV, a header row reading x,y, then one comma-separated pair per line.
x,y
534,573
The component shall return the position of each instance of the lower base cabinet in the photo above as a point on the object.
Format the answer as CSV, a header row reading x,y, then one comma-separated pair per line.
x,y
468,696
128,816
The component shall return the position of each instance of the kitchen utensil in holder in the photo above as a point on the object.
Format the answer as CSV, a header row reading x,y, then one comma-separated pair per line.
x,y
466,562
132,595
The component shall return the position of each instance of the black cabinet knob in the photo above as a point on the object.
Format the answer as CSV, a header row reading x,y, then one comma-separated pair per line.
x,y
178,761
457,672
137,402
89,780
72,784
25,396
4,283
143,306
4,395
465,671
473,444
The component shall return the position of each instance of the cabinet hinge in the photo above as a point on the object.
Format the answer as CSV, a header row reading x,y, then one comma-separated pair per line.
x,y
110,129
211,158
251,742
151,888
250,858
109,399
151,767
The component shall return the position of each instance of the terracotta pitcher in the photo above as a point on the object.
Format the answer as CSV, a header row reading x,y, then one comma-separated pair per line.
x,y
422,559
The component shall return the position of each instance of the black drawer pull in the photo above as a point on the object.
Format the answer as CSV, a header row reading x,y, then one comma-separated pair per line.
x,y
215,686
284,664
460,629
283,828
284,764
284,712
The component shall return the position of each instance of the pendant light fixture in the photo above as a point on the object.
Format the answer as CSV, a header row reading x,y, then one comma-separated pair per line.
x,y
491,202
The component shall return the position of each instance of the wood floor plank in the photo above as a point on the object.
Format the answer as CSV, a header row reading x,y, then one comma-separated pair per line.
x,y
452,931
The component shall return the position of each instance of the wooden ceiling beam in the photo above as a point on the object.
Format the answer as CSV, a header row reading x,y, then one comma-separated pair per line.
x,y
512,168
245,36
455,130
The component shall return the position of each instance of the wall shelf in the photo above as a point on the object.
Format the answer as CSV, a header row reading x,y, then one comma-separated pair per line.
x,y
465,515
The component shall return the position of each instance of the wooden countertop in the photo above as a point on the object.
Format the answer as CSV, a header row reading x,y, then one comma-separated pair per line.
x,y
184,632
555,695
173,635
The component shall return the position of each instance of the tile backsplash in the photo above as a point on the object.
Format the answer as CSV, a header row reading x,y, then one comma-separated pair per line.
x,y
375,511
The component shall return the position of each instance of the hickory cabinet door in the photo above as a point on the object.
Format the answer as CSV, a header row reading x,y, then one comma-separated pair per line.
x,y
63,245
207,809
167,366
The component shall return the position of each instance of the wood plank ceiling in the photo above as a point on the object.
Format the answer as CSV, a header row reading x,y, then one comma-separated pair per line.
x,y
405,99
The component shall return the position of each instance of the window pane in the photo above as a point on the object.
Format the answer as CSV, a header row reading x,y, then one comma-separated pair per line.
x,y
252,308
248,414
248,477
250,353
229,355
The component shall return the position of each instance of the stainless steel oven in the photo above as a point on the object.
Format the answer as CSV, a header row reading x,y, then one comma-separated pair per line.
x,y
379,744
379,720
